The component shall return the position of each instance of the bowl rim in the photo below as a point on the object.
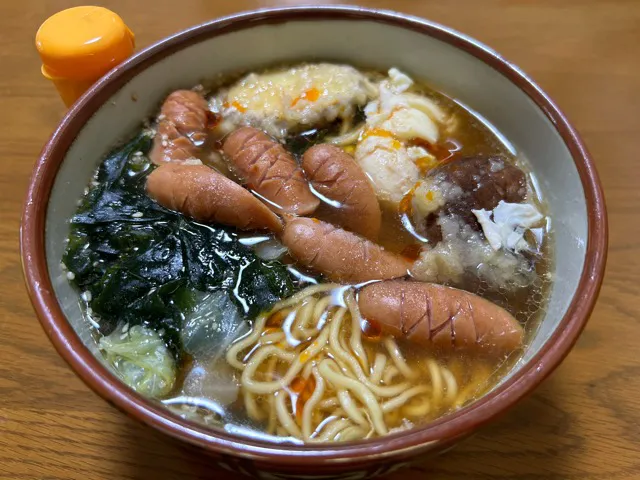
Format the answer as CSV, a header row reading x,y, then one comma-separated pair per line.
x,y
395,446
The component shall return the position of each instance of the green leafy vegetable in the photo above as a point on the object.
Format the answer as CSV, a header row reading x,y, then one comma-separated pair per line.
x,y
140,358
211,327
143,263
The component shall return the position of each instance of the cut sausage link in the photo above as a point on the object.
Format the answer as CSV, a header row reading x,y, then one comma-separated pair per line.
x,y
337,176
208,196
339,255
265,166
440,316
181,129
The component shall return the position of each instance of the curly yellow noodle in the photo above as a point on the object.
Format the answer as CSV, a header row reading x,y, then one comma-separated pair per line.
x,y
307,410
256,361
350,408
321,311
299,328
245,342
352,433
271,338
452,385
398,359
353,363
284,416
360,391
419,410
307,369
356,333
436,381
401,399
272,416
251,407
332,429
389,374
360,387
301,295
329,403
379,363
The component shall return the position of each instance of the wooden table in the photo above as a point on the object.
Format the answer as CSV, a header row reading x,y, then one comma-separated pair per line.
x,y
582,423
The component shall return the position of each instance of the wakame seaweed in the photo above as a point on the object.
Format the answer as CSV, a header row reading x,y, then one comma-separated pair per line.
x,y
142,263
299,143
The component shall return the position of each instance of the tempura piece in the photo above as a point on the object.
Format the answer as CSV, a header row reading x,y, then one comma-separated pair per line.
x,y
288,100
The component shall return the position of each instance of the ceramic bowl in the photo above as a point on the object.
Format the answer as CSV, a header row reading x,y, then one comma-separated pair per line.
x,y
451,62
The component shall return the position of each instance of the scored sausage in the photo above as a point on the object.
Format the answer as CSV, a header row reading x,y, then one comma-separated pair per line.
x,y
335,175
209,197
440,316
339,255
266,167
182,128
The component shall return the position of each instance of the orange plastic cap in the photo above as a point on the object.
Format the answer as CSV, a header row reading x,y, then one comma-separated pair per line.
x,y
83,43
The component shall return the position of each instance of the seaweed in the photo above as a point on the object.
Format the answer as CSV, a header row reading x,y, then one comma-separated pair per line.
x,y
300,142
143,264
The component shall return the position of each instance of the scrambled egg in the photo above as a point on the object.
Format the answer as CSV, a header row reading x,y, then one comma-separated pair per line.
x,y
505,225
388,166
394,119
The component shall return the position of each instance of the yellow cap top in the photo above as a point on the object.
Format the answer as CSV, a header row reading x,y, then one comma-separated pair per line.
x,y
83,43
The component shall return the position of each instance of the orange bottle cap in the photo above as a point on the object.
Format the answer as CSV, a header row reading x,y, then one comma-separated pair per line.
x,y
83,43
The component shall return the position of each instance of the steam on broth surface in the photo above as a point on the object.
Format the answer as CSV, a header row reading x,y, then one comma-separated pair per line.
x,y
312,253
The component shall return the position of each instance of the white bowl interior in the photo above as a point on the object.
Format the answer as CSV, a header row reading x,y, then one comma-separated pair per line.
x,y
448,69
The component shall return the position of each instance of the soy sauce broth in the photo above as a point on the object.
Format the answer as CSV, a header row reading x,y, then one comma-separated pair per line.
x,y
468,135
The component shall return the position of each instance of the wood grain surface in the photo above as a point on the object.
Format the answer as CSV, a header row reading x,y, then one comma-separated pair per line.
x,y
582,423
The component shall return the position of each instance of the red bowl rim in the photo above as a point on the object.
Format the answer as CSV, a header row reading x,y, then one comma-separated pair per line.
x,y
460,423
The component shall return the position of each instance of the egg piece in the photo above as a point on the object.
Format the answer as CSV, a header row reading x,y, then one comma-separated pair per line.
x,y
505,225
295,98
409,123
394,120
407,115
427,198
388,166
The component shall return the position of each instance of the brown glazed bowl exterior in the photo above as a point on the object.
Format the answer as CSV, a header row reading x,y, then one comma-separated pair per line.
x,y
358,459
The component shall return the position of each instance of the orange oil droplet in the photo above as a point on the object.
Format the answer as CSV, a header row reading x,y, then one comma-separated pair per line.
x,y
406,204
371,329
412,252
275,320
304,357
304,396
297,385
312,95
238,106
425,164
377,132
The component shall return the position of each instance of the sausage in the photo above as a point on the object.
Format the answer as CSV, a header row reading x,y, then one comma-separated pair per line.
x,y
182,128
209,197
339,255
266,167
335,175
439,316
